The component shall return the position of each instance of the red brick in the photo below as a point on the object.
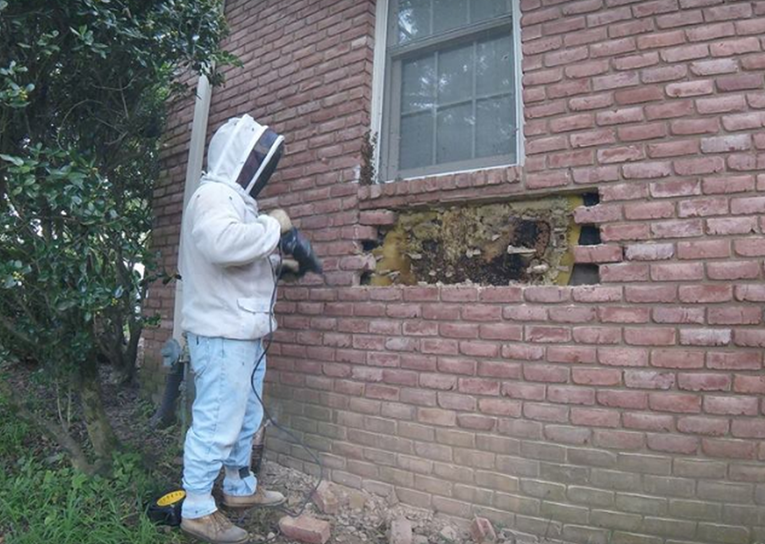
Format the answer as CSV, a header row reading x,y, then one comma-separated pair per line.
x,y
750,293
750,338
622,356
646,379
734,360
732,48
597,335
545,373
729,449
729,12
597,376
704,382
682,403
546,412
613,48
649,336
649,252
526,391
650,293
731,406
648,422
619,116
677,229
679,315
733,225
714,67
661,39
544,334
672,443
645,132
703,425
669,109
400,531
733,270
677,358
624,314
739,82
634,400
305,529
619,440
646,170
684,53
598,254
705,337
482,531
570,394
627,272
638,96
677,272
634,62
500,407
592,417
735,316
743,121
705,249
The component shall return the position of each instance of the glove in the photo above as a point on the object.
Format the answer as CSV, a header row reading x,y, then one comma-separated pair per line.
x,y
283,219
290,271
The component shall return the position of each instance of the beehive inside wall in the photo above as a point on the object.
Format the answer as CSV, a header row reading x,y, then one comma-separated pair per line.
x,y
490,244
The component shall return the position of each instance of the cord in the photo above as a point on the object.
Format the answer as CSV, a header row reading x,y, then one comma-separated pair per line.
x,y
276,271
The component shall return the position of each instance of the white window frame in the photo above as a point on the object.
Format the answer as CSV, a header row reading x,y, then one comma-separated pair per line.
x,y
379,82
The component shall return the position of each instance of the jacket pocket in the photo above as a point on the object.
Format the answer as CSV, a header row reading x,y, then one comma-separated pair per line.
x,y
256,318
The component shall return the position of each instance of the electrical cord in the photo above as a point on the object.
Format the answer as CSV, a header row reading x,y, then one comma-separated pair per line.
x,y
276,271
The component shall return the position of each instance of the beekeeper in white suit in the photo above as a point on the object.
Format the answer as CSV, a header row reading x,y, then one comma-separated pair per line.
x,y
228,285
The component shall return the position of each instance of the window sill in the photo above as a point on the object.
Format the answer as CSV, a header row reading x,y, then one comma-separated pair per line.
x,y
446,188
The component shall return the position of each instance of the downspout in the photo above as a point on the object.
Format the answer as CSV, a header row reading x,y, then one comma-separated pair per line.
x,y
193,174
173,352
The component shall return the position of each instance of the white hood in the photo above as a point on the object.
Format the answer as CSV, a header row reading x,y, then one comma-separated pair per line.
x,y
240,142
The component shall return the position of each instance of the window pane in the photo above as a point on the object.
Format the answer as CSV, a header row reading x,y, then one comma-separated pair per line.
x,y
449,14
495,133
418,78
494,66
416,143
413,19
480,10
455,133
455,75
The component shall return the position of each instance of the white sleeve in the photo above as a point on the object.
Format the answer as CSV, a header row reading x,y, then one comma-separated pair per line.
x,y
219,231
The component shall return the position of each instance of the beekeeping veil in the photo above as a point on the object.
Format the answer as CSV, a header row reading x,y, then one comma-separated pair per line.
x,y
244,153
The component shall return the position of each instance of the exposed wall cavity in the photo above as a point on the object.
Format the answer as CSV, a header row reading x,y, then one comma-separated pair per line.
x,y
491,244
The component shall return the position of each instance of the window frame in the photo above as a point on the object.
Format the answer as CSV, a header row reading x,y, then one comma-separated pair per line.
x,y
387,76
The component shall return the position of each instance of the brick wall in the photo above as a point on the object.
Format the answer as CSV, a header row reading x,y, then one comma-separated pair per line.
x,y
628,412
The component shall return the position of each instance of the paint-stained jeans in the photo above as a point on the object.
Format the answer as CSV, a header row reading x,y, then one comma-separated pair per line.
x,y
225,416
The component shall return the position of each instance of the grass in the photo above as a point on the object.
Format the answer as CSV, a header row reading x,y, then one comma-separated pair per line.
x,y
44,500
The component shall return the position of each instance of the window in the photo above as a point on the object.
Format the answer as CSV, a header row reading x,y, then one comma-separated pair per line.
x,y
450,99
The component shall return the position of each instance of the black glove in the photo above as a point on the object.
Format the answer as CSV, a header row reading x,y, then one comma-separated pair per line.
x,y
295,244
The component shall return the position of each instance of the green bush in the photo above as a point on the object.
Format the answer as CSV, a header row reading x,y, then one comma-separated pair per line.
x,y
48,501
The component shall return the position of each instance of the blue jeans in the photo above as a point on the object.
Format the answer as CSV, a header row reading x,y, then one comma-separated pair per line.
x,y
225,416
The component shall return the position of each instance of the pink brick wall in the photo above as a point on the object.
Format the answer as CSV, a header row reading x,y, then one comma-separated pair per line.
x,y
628,412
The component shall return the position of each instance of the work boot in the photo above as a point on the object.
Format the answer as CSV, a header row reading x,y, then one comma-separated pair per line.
x,y
261,497
214,528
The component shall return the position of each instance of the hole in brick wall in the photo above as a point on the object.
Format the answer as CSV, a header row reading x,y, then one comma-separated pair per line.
x,y
369,245
589,235
366,277
590,199
492,244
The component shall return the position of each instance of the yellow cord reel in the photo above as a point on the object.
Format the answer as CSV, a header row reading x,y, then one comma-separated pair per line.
x,y
167,508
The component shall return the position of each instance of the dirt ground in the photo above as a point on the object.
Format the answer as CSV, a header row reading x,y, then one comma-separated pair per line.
x,y
363,518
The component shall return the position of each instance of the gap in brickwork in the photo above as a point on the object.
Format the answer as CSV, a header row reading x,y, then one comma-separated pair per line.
x,y
519,242
589,235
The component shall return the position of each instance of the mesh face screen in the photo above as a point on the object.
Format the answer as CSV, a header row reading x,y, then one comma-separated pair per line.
x,y
255,160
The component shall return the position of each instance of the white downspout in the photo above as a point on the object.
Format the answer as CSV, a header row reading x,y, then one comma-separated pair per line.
x,y
193,174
